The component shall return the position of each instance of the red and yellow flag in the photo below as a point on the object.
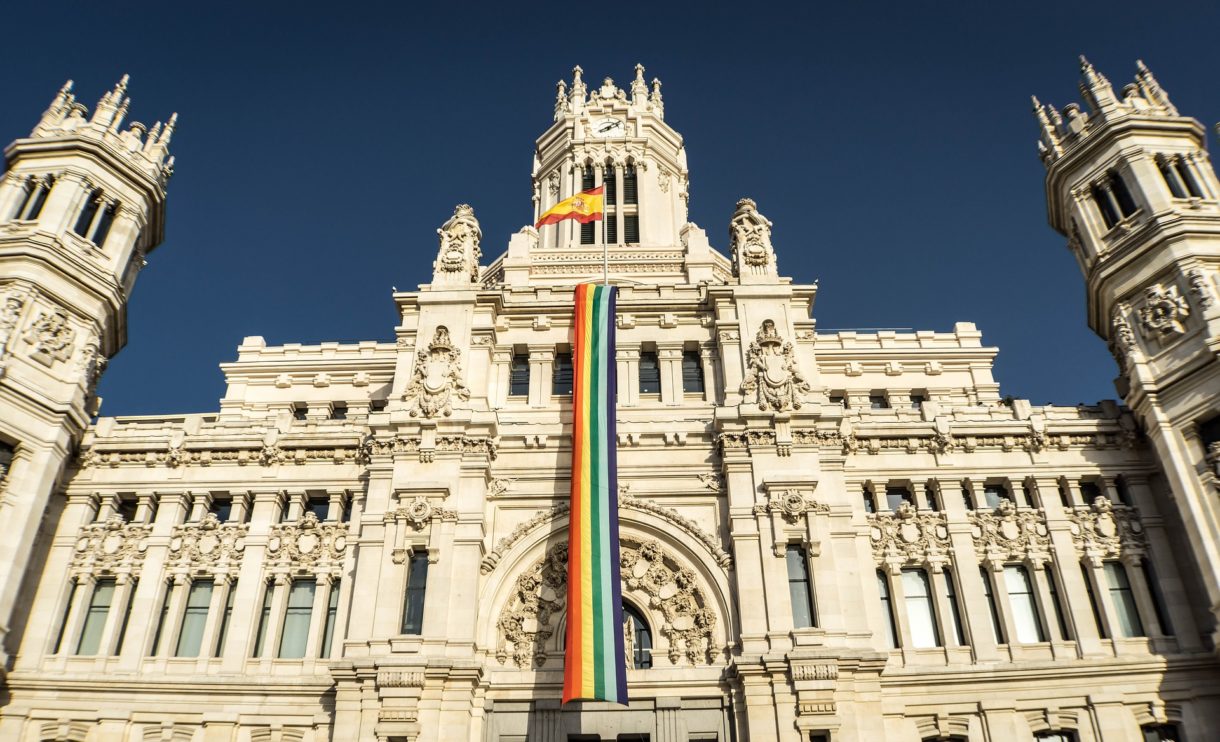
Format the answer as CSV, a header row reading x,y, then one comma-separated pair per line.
x,y
586,206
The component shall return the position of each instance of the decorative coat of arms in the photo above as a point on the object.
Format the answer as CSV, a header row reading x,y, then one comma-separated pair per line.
x,y
437,379
771,372
50,337
1164,310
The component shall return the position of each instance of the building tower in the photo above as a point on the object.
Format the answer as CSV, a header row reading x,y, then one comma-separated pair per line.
x,y
82,202
1129,184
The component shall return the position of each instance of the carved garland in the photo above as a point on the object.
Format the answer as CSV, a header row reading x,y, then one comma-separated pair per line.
x,y
528,621
111,546
307,542
909,537
1008,534
1104,530
209,543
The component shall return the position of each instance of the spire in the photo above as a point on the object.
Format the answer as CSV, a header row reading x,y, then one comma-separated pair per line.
x,y
108,106
561,99
639,88
658,106
1151,89
577,96
1050,132
61,106
1096,88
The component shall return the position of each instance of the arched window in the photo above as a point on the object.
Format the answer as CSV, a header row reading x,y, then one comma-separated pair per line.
x,y
587,230
610,217
37,188
637,638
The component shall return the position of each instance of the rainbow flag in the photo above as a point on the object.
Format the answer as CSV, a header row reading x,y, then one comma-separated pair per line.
x,y
594,666
586,206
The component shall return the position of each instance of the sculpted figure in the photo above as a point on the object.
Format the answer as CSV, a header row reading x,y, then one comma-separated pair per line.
x,y
771,372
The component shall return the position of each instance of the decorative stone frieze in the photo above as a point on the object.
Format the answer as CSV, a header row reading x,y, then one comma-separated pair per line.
x,y
1104,530
790,504
772,376
208,543
1010,534
436,381
672,596
307,543
909,537
111,546
1164,312
400,679
50,337
176,456
420,511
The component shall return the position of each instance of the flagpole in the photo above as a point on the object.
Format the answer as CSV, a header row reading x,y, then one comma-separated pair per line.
x,y
605,242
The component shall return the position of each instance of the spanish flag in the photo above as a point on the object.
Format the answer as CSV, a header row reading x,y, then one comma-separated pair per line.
x,y
586,206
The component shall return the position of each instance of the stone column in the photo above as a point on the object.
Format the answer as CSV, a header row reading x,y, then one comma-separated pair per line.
x,y
180,586
12,193
670,725
541,359
221,585
669,357
75,620
114,618
275,623
317,616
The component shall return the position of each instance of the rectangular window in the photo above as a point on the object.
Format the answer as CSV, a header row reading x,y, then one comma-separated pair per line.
x,y
85,220
1123,600
917,400
895,496
1024,604
631,229
222,508
929,496
1188,178
1053,588
1175,186
264,620
887,610
1089,491
198,599
332,612
1118,186
131,596
955,616
839,399
300,411
1162,733
692,373
1105,206
870,502
169,593
338,411
1088,586
993,493
921,616
319,506
561,376
997,630
1123,489
95,616
417,586
126,509
878,402
630,186
1064,500
225,617
611,183
650,373
296,619
519,376
103,224
377,405
966,498
799,588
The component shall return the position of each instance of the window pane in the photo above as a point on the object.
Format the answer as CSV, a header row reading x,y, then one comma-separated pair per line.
x,y
994,493
611,183
887,609
1119,187
799,588
417,584
126,509
895,496
955,616
156,645
631,229
1174,187
650,373
1158,598
692,373
194,618
630,187
296,619
1162,733
224,621
1124,601
561,378
1024,606
519,376
264,618
87,213
95,617
319,506
1053,589
1088,586
131,593
222,508
921,617
995,612
637,638
332,609
878,402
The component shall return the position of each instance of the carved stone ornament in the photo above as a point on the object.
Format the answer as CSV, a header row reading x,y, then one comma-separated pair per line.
x,y
307,542
111,546
670,592
1104,530
437,378
50,337
909,537
771,372
1164,311
1008,534
1201,287
10,314
459,250
791,505
91,363
208,543
750,237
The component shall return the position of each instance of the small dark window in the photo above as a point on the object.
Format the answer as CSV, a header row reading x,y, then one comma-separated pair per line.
x,y
650,373
1027,495
225,617
222,508
917,400
1089,491
88,212
1118,187
1176,187
994,493
300,411
1209,433
588,234
36,198
561,376
1124,490
1188,178
800,590
630,188
929,495
126,509
519,376
1088,587
103,225
417,584
839,399
264,620
319,506
1064,500
1162,733
1158,597
966,499
376,405
955,615
870,502
1053,588
611,181
895,496
1055,737
692,373
346,515
338,411
631,229
997,629
887,610
878,402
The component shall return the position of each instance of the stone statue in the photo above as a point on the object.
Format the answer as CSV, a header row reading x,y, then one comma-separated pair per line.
x,y
458,260
750,241
771,372
437,378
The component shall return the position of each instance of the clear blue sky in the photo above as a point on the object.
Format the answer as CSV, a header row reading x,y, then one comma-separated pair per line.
x,y
320,147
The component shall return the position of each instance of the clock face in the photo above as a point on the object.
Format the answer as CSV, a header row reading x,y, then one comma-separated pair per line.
x,y
609,127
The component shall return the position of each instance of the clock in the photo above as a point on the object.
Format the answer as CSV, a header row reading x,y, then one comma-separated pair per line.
x,y
609,127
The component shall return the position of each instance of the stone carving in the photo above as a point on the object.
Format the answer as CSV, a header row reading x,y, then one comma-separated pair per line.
x,y
208,542
1007,534
307,542
400,679
437,378
1104,530
418,512
824,671
10,314
459,251
92,363
909,537
771,372
750,237
791,505
111,546
669,590
50,337
713,482
1164,311
941,442
503,545
498,487
1199,286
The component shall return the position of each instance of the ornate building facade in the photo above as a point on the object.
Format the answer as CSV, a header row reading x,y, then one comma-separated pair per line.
x,y
845,536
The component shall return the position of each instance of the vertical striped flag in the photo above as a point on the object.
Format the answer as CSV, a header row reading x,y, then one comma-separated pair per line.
x,y
594,662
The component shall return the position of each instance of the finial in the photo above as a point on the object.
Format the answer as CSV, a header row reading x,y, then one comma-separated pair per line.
x,y
639,88
169,129
1151,89
67,88
561,99
655,98
576,73
1096,88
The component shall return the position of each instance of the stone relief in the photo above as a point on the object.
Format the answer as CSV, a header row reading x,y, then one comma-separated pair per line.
x,y
791,505
437,378
1007,534
750,237
208,542
1164,311
674,600
111,546
771,372
50,337
909,537
91,364
420,511
459,250
1200,287
10,315
307,542
1104,530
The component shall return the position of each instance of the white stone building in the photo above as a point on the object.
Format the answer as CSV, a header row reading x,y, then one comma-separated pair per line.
x,y
840,536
